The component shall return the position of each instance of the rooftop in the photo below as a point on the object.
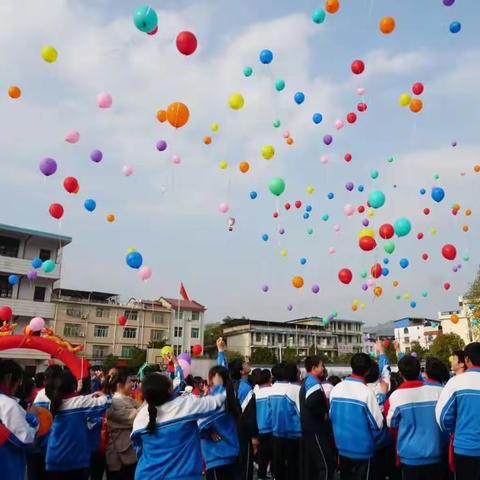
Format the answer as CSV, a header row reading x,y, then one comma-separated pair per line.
x,y
176,303
253,324
320,320
27,232
84,295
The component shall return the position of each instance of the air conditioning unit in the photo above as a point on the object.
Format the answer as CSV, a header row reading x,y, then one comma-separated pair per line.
x,y
84,316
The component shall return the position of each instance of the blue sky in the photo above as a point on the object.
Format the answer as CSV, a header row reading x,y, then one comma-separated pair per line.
x,y
170,212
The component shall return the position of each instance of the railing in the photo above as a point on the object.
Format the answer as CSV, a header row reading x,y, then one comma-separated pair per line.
x,y
22,266
29,308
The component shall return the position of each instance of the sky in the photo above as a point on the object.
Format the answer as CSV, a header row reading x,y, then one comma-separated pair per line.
x,y
170,212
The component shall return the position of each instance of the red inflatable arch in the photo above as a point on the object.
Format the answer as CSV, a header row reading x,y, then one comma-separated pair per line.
x,y
77,365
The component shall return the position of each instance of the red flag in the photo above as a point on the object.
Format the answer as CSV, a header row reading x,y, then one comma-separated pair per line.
x,y
183,292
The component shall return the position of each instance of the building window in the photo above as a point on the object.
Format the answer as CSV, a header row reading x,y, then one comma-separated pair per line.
x,y
177,349
131,314
101,312
158,318
9,246
195,332
100,331
74,312
5,287
178,331
156,335
129,332
405,331
195,316
99,351
39,294
258,337
178,315
45,254
127,351
71,330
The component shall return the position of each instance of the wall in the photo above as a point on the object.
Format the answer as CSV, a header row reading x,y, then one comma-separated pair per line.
x,y
240,343
461,328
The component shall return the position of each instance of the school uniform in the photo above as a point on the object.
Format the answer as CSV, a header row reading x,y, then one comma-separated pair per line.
x,y
457,412
264,423
172,452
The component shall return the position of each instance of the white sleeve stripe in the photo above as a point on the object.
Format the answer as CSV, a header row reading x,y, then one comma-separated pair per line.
x,y
246,400
314,389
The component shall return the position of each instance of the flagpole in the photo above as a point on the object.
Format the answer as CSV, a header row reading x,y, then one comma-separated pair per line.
x,y
178,322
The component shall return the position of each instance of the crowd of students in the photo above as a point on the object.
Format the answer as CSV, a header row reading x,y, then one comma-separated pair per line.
x,y
372,425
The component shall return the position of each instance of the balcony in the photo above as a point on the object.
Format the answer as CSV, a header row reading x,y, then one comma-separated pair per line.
x,y
29,308
21,266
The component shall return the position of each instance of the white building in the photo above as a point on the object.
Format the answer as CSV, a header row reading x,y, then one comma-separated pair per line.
x,y
422,330
463,327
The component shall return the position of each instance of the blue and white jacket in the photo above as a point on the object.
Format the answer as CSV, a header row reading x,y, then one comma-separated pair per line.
x,y
356,418
314,407
173,451
22,427
264,413
68,445
284,400
411,410
457,411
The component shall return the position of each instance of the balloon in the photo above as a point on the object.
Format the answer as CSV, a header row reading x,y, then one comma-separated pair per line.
x,y
454,318
104,100
154,31
14,92
297,282
279,85
48,166
318,16
366,232
36,324
389,247
48,266
247,71
161,145
404,263
134,260
404,99
49,54
327,139
315,288
339,124
386,231
351,117
448,3
265,288
90,204
446,286
449,251
71,184
207,140
244,167
402,227
367,243
362,107
348,210
214,127
387,25
185,356
348,157
72,136
417,88
127,170
223,207
56,210
438,194
185,366
332,6
374,174
277,186
45,420
5,313
266,56
176,160
377,291
376,199
357,67
268,151
283,252
455,27
145,18
144,272
32,276
162,116
265,237
416,105
177,114
186,43
376,270
236,101
37,262
299,98
122,320
317,118
167,349
12,279
345,276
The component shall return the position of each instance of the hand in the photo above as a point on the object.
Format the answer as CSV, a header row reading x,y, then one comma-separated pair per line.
x,y
215,437
396,346
220,344
79,385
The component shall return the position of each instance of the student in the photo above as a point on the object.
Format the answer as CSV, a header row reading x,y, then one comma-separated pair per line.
x,y
318,458
18,428
165,433
357,421
457,362
457,412
286,427
120,455
69,447
411,410
218,432
436,373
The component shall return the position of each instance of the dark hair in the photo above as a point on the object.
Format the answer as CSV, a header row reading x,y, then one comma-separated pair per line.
x,y
265,376
25,391
156,390
52,371
437,370
231,403
291,372
373,373
409,367
395,381
189,381
39,379
360,364
460,354
198,382
235,368
334,380
255,376
59,387
120,377
278,372
472,351
311,362
10,372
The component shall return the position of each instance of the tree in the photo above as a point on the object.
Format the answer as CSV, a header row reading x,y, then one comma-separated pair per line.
x,y
419,350
233,355
391,353
473,292
110,361
138,358
289,354
263,356
444,346
211,333
343,358
324,358
159,344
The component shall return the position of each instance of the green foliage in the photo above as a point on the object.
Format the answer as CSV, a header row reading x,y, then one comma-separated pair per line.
x,y
233,355
473,292
444,346
419,350
212,332
391,353
137,359
263,356
323,357
110,361
343,358
157,344
289,354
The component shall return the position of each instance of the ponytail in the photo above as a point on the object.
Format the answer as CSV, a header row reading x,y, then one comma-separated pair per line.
x,y
232,405
60,386
156,390
152,418
120,377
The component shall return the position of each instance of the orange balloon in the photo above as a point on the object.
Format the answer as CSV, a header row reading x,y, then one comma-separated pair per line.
x,y
244,167
454,318
14,92
45,420
416,105
332,6
289,140
177,114
387,25
377,291
207,140
477,168
395,283
465,228
111,218
161,116
297,282
354,308
468,212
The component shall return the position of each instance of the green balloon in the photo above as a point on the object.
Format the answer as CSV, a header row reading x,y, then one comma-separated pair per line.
x,y
279,85
466,258
376,199
310,231
247,71
374,174
402,227
277,186
390,159
389,247
48,266
424,294
276,123
325,217
363,274
318,16
398,297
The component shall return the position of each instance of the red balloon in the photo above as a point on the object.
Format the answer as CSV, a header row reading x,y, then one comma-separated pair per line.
x,y
287,206
71,185
446,285
351,117
367,243
345,276
186,43
425,256
56,210
275,214
386,231
386,343
358,67
426,211
376,271
5,313
417,88
122,320
154,31
298,203
348,157
449,251
420,235
360,209
362,107
197,350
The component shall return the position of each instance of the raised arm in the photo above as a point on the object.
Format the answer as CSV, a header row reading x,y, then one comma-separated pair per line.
x,y
221,356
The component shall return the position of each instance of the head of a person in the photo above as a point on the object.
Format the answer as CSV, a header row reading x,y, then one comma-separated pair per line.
x,y
198,382
334,380
314,366
278,372
25,390
395,381
292,373
472,355
59,388
457,362
156,390
265,377
39,379
11,375
120,382
219,375
95,372
189,381
373,373
436,370
409,367
255,376
360,364
238,369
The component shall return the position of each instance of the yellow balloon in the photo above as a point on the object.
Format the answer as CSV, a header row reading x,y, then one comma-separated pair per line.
x,y
166,350
223,164
433,231
370,212
283,252
49,54
406,296
362,306
130,250
405,99
366,232
310,189
236,101
356,301
214,127
268,151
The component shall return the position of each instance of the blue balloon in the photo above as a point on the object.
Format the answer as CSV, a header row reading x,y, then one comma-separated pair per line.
x,y
318,16
317,118
37,262
12,279
90,204
438,194
264,237
266,56
299,98
404,263
386,261
308,208
330,195
303,261
253,195
361,188
455,27
306,216
134,260
145,18
413,304
423,191
385,271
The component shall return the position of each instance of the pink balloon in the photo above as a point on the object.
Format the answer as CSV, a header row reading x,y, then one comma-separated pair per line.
x,y
72,136
224,207
104,100
36,324
348,210
361,91
176,159
339,124
286,134
370,282
184,365
324,159
337,228
331,250
145,272
127,170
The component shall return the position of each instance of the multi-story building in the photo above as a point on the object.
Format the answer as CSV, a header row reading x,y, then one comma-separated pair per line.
x,y
29,298
422,330
465,326
382,331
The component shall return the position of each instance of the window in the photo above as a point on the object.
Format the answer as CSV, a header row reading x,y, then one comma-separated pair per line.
x,y
195,333
74,312
178,315
129,332
258,337
45,254
156,335
158,318
39,294
102,312
405,331
195,316
131,314
127,351
177,349
178,331
9,246
71,330
100,331
5,287
99,351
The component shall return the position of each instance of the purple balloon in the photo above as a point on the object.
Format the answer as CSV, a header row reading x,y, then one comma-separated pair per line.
x,y
32,275
48,166
281,231
349,186
327,139
289,307
365,222
96,156
448,3
315,288
161,145
185,356
455,269
265,288
364,287
413,354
